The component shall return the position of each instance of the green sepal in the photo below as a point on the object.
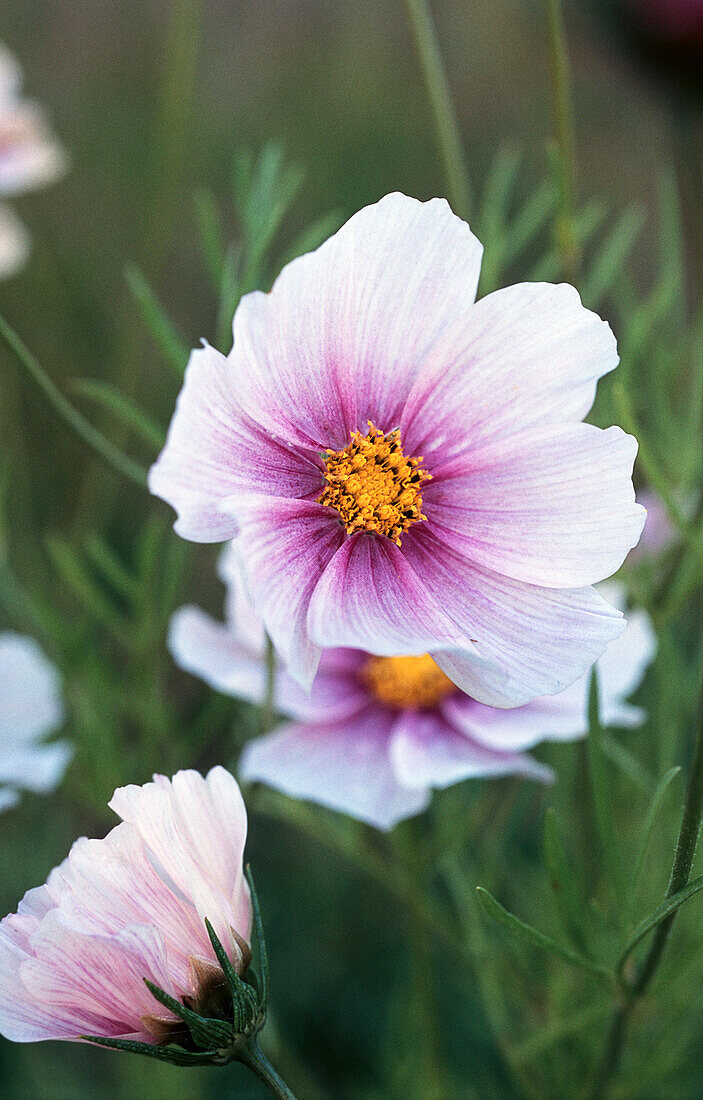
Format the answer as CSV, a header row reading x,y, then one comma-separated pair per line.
x,y
207,1033
244,1001
260,940
174,1055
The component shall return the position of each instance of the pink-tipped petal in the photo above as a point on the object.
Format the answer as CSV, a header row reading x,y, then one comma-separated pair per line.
x,y
524,355
369,598
342,765
346,329
530,641
553,508
428,752
286,545
97,981
196,830
212,451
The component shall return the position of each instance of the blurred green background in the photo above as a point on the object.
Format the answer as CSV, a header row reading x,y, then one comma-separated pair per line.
x,y
152,100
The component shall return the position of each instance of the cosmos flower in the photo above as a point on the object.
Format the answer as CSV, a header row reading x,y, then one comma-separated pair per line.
x,y
376,734
30,708
405,469
74,957
30,157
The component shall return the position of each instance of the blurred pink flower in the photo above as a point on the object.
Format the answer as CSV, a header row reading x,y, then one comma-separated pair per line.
x,y
73,959
30,708
377,733
676,21
306,441
30,157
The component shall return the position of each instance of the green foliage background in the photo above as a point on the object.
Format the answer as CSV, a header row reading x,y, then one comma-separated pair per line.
x,y
387,979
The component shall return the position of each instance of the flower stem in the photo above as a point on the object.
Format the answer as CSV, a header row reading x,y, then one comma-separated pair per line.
x,y
70,414
267,704
254,1058
680,873
564,143
448,134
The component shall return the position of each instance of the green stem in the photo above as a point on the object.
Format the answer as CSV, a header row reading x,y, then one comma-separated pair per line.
x,y
448,134
680,874
266,711
565,145
70,414
254,1058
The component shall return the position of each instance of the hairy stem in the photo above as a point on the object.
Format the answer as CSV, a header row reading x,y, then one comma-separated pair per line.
x,y
254,1058
446,123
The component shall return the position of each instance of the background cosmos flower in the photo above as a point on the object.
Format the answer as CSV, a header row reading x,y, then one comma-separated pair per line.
x,y
74,957
405,469
30,157
376,734
30,708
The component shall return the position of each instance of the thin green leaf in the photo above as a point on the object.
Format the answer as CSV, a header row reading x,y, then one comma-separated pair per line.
x,y
310,238
667,907
231,290
93,601
652,812
600,781
526,932
70,414
104,558
561,879
612,255
627,762
172,346
207,217
123,409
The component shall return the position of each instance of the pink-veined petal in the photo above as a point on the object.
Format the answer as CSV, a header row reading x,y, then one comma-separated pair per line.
x,y
427,751
529,641
346,329
524,355
343,765
212,451
554,508
369,598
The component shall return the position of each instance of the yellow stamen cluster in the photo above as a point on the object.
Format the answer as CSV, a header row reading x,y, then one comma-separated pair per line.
x,y
373,485
415,683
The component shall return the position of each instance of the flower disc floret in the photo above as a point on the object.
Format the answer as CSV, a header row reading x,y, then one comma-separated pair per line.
x,y
407,683
373,485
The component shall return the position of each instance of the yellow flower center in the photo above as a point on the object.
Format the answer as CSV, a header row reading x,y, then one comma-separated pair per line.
x,y
373,485
415,683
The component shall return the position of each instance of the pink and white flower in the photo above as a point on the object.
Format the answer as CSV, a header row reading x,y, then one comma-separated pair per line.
x,y
376,734
74,957
30,157
30,708
405,469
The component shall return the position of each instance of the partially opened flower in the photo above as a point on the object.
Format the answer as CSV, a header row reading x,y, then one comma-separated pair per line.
x,y
30,708
30,157
75,956
376,734
405,469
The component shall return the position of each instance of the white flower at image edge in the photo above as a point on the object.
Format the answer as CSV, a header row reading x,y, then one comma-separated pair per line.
x,y
30,708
